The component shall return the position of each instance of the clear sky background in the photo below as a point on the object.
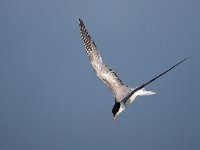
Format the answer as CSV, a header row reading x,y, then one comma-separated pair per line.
x,y
51,99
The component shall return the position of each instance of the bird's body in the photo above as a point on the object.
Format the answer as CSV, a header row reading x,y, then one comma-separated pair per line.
x,y
124,95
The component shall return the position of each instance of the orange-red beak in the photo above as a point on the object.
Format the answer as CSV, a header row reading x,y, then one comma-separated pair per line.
x,y
114,119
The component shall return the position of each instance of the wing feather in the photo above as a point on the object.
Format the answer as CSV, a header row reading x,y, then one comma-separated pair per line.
x,y
106,75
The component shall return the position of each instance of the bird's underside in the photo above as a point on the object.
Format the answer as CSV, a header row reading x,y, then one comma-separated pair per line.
x,y
123,94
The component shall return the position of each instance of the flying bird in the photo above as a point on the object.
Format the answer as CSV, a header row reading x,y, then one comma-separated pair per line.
x,y
124,95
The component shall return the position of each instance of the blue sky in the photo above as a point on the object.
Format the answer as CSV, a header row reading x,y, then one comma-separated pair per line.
x,y
51,99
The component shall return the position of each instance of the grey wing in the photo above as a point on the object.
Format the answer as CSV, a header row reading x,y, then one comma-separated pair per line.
x,y
106,74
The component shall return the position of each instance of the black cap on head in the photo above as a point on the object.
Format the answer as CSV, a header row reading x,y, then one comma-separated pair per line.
x,y
115,108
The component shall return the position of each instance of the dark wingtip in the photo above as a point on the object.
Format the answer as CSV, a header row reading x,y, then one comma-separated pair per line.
x,y
80,21
81,24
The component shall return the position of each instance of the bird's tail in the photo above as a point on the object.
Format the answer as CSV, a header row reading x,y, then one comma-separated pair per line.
x,y
143,92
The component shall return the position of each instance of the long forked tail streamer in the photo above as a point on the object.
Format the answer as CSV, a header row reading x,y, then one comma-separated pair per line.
x,y
143,85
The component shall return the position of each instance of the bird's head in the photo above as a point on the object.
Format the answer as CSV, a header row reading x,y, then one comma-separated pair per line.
x,y
117,109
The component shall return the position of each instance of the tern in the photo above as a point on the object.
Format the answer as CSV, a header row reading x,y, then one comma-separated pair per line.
x,y
124,95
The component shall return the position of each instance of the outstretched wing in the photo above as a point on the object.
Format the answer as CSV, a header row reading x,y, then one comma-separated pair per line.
x,y
106,74
145,84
